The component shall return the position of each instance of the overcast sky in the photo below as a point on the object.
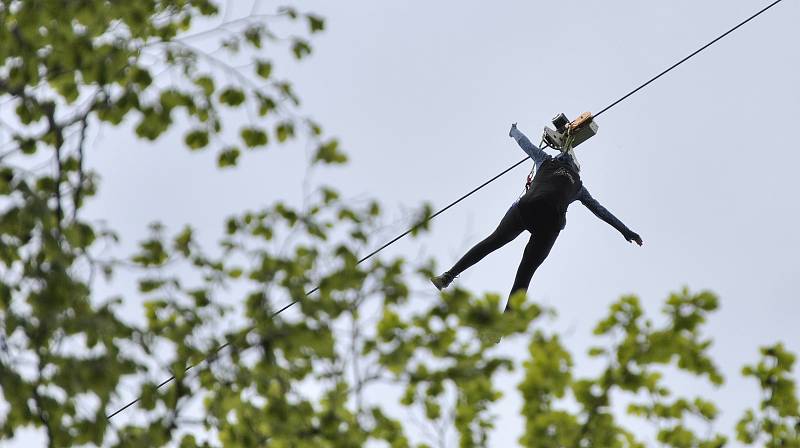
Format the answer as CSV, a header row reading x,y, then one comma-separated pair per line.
x,y
422,94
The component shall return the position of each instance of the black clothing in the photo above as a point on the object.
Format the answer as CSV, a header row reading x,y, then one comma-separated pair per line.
x,y
554,187
538,247
509,228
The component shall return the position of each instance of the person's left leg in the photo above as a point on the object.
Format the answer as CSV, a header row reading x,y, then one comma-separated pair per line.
x,y
509,228
537,249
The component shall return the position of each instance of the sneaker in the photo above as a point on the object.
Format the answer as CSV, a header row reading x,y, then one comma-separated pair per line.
x,y
442,281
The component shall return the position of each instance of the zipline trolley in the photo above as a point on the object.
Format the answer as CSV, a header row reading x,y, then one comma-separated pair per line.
x,y
569,134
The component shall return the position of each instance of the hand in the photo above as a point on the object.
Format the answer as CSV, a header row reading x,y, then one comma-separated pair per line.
x,y
513,126
633,237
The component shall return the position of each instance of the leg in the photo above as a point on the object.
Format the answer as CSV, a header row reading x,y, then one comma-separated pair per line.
x,y
536,251
509,228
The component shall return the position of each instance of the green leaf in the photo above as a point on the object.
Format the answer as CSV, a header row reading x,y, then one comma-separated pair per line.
x,y
196,139
206,8
150,285
27,146
152,124
263,69
329,153
253,35
141,77
206,83
67,88
183,241
254,137
329,195
301,48
232,97
374,208
265,105
315,23
171,99
228,157
284,131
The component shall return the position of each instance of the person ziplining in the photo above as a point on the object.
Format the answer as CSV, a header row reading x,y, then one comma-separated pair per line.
x,y
541,210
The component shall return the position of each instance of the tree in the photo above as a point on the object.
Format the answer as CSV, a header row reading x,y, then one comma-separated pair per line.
x,y
68,66
339,368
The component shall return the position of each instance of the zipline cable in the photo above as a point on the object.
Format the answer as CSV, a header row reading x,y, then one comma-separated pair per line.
x,y
416,226
687,57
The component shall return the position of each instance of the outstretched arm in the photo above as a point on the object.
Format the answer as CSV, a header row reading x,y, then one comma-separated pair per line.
x,y
537,154
602,213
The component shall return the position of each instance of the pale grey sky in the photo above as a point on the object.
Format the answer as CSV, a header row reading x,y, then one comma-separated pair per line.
x,y
700,164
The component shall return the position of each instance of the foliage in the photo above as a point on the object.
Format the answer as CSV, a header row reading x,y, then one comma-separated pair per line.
x,y
70,66
777,423
633,359
362,360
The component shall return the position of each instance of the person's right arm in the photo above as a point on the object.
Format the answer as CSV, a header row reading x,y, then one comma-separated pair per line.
x,y
537,154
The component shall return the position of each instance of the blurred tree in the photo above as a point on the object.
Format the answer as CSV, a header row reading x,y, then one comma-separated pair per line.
x,y
336,371
777,423
69,66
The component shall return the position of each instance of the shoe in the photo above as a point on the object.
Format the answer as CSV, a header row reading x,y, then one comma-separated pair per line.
x,y
442,281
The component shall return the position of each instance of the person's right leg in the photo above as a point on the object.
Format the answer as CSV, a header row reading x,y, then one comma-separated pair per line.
x,y
509,228
537,249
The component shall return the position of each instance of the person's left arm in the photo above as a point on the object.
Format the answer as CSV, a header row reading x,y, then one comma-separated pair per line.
x,y
603,213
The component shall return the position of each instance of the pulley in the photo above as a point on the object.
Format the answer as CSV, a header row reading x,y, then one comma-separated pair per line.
x,y
569,134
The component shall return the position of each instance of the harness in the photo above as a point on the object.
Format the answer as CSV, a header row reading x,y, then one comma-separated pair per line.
x,y
564,138
542,144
